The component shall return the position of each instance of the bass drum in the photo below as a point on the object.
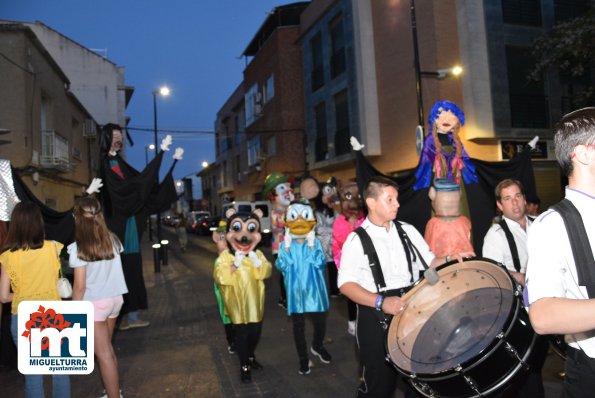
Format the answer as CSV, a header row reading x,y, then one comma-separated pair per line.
x,y
465,336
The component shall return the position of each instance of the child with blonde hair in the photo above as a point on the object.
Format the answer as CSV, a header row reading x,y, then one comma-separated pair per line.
x,y
98,278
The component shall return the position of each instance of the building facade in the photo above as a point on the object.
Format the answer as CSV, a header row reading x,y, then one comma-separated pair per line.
x,y
360,80
261,127
50,142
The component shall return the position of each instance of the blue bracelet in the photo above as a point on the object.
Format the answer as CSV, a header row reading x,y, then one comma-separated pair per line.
x,y
379,301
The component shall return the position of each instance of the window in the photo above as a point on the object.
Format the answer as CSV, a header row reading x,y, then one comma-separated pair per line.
x,y
223,175
565,10
522,12
317,74
253,150
252,103
269,89
528,103
321,142
271,146
239,135
337,47
342,133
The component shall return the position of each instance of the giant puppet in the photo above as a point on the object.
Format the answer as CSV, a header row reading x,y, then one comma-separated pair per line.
x,y
128,198
444,156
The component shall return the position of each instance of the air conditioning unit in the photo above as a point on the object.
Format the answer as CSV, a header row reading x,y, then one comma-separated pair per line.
x,y
89,128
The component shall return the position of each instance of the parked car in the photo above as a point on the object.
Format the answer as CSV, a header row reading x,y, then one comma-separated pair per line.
x,y
197,222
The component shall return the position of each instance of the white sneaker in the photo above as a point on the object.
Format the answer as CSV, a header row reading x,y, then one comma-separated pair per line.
x,y
351,327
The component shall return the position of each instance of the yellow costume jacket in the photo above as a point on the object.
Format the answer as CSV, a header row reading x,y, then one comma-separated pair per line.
x,y
242,289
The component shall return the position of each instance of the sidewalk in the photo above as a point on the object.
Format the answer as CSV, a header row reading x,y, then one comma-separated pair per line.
x,y
183,353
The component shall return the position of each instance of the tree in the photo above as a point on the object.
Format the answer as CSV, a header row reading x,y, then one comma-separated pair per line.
x,y
569,46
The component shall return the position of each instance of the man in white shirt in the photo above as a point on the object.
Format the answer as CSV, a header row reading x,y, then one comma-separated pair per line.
x,y
510,199
557,287
357,282
506,243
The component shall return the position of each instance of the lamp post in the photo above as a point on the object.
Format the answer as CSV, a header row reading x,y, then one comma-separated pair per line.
x,y
150,147
439,74
163,91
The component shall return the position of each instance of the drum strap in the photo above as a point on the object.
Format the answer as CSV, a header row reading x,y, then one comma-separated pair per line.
x,y
579,242
512,244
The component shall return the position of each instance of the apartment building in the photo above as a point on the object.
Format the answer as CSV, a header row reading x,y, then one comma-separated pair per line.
x,y
360,79
50,136
260,128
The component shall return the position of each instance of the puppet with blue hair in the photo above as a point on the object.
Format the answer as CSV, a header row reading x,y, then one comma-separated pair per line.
x,y
443,152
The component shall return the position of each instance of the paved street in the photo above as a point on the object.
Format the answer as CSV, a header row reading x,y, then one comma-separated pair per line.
x,y
184,354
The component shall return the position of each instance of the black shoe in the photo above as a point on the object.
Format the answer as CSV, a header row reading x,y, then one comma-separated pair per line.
x,y
322,354
305,367
245,374
254,364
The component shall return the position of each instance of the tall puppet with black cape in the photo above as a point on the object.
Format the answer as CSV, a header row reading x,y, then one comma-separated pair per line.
x,y
129,197
478,178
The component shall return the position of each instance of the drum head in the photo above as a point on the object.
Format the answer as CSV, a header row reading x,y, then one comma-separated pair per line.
x,y
451,322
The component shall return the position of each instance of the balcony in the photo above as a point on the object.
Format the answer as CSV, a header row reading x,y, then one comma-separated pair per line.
x,y
54,152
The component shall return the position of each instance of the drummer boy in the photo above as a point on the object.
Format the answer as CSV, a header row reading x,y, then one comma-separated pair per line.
x,y
357,282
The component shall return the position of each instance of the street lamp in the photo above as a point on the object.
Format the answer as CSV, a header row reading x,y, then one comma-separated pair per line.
x,y
164,92
205,164
150,147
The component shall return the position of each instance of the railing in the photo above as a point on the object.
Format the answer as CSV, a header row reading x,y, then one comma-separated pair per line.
x,y
54,151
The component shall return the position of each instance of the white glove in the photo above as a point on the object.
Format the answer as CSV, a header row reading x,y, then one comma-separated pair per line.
x,y
355,144
310,239
287,240
179,153
239,257
533,142
166,143
94,186
255,260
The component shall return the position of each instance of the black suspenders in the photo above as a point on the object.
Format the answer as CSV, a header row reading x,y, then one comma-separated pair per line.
x,y
512,245
370,252
579,243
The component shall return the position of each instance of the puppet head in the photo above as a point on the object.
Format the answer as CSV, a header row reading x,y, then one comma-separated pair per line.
x,y
446,198
277,188
447,118
330,196
243,230
309,188
112,140
351,201
299,219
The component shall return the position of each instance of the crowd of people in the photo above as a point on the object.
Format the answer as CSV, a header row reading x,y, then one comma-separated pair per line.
x,y
377,260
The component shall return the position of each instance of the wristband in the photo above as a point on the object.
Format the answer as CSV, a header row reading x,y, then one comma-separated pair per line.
x,y
378,303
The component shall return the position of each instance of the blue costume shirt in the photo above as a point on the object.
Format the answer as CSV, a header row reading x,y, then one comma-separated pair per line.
x,y
303,273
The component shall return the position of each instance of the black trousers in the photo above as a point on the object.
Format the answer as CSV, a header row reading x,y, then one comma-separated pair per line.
x,y
333,290
579,381
379,377
247,336
299,332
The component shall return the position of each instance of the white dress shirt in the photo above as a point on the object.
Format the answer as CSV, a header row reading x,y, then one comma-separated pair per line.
x,y
355,266
496,247
551,271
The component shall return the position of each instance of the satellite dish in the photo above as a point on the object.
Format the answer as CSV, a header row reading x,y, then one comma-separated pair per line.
x,y
419,139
